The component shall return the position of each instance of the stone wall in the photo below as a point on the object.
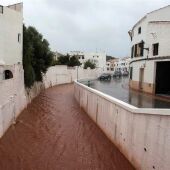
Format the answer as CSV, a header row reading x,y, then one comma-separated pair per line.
x,y
142,135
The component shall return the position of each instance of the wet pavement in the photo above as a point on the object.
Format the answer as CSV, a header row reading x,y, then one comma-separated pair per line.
x,y
119,88
54,134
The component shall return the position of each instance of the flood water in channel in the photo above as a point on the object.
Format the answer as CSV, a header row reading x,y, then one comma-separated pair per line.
x,y
119,88
53,133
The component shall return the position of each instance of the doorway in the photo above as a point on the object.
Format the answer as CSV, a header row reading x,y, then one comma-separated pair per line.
x,y
163,78
141,78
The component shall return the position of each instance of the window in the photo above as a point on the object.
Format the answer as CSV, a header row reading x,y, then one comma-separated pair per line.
x,y
131,72
19,37
1,9
132,51
83,57
141,46
139,49
155,49
8,74
139,30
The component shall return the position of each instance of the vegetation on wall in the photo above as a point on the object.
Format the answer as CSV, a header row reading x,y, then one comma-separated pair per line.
x,y
68,60
37,56
89,64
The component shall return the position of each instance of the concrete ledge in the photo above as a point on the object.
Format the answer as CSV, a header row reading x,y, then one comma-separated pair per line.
x,y
142,135
126,106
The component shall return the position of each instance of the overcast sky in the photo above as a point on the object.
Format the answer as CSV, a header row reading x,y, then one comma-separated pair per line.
x,y
87,25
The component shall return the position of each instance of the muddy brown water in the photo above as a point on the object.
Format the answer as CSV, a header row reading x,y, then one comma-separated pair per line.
x,y
53,133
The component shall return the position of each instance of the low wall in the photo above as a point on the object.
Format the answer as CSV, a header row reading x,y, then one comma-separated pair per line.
x,y
34,91
142,135
15,97
62,74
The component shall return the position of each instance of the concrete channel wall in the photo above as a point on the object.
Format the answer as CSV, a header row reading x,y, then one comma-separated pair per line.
x,y
15,97
62,74
142,135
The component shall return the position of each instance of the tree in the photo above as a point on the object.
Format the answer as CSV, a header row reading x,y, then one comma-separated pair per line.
x,y
29,74
74,61
67,60
37,56
89,64
63,60
109,58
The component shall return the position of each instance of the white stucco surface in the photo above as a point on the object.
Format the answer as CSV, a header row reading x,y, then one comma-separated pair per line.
x,y
14,97
11,24
62,74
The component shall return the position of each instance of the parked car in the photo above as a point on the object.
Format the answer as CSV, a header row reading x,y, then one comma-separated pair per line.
x,y
125,73
105,76
117,74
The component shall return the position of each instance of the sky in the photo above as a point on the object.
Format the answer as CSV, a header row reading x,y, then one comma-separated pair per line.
x,y
87,25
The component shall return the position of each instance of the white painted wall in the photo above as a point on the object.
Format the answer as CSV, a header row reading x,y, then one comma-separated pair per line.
x,y
62,74
14,97
11,24
131,129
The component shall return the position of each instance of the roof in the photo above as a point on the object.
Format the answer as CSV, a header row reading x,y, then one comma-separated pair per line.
x,y
148,14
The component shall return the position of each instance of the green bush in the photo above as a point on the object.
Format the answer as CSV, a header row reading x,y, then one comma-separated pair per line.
x,y
89,64
67,60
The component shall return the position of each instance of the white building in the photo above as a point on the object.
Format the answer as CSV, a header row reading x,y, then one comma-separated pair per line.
x,y
98,58
150,65
12,89
122,65
11,28
11,40
110,65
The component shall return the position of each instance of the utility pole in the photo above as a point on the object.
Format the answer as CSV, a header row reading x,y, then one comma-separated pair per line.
x,y
77,73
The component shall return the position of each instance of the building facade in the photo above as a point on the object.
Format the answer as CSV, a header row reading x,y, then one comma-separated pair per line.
x,y
11,27
12,89
98,58
150,53
11,41
110,64
122,65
